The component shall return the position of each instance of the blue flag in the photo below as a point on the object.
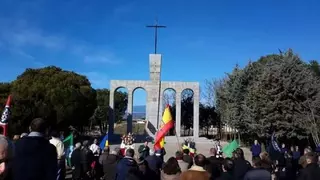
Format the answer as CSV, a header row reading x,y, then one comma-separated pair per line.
x,y
274,142
105,142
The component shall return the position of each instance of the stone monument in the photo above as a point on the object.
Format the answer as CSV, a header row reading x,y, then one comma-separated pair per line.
x,y
154,89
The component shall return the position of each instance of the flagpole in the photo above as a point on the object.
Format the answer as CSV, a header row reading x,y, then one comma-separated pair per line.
x,y
179,145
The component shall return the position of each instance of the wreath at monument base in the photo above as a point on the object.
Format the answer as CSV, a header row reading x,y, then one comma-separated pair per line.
x,y
127,142
191,145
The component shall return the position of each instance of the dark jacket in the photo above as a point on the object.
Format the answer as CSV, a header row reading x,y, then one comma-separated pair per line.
x,y
241,167
154,163
226,176
126,165
311,172
214,167
35,159
258,174
187,158
87,158
144,151
109,164
256,150
76,164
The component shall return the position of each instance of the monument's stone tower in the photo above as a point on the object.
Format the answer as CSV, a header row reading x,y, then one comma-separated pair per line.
x,y
155,88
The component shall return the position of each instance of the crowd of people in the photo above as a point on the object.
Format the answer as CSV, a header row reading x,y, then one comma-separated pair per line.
x,y
35,157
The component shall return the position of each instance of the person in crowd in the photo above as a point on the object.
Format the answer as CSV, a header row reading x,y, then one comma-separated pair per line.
x,y
171,170
127,166
187,158
182,164
266,162
255,149
15,138
311,170
97,168
214,164
35,158
144,150
95,148
283,148
118,151
154,162
159,154
87,158
296,153
227,168
6,156
23,135
197,170
307,150
241,166
284,170
257,173
146,172
109,163
317,150
55,140
75,161
61,135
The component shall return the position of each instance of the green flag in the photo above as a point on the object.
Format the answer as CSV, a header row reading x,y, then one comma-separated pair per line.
x,y
68,146
68,141
228,149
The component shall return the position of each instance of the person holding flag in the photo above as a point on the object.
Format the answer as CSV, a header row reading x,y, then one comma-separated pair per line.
x,y
167,124
5,117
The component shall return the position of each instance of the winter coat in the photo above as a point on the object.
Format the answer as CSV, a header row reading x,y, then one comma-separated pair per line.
x,y
127,166
195,173
258,174
165,176
109,165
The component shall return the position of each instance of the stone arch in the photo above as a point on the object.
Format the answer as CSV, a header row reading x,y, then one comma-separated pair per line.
x,y
187,111
116,105
139,110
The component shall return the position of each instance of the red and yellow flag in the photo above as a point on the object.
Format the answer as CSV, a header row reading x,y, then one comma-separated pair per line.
x,y
167,124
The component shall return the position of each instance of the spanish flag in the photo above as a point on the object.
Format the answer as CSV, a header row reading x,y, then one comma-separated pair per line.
x,y
167,124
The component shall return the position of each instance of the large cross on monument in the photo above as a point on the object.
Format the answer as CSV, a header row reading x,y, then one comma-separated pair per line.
x,y
156,26
154,89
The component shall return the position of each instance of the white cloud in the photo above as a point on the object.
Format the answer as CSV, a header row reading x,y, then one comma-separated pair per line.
x,y
19,37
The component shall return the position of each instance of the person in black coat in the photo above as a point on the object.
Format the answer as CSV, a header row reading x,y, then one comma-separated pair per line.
x,y
35,158
154,162
241,166
87,158
127,167
187,158
227,167
214,164
76,162
311,169
109,163
257,173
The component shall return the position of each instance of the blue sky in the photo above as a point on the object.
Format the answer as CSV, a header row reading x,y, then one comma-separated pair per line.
x,y
106,39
